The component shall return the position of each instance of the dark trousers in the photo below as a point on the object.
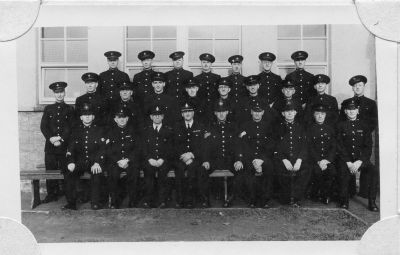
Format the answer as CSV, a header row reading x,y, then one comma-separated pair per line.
x,y
292,184
322,180
72,180
238,185
53,162
114,173
260,184
149,182
371,174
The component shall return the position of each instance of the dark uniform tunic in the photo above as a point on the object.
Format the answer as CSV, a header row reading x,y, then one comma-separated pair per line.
x,y
157,145
175,82
189,140
56,121
291,145
208,84
367,111
99,104
142,82
109,82
199,105
135,110
238,89
245,108
122,143
86,147
304,84
322,145
170,104
280,104
331,104
270,86
355,143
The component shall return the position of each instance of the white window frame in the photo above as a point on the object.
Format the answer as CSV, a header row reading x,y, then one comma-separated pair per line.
x,y
43,66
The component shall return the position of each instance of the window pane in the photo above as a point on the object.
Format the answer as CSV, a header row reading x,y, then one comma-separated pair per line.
x,y
138,32
52,32
286,48
316,69
283,71
77,51
164,32
316,50
314,31
75,84
197,47
162,49
53,51
200,32
222,71
77,32
289,31
134,47
227,32
50,76
225,48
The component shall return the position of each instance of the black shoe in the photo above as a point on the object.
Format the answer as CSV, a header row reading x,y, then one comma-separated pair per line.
x,y
291,201
132,204
326,200
344,205
95,207
146,205
49,198
251,205
205,205
162,205
227,204
178,206
69,206
266,205
296,204
372,205
189,205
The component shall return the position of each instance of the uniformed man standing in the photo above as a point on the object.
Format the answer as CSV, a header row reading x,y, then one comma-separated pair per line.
x,y
189,173
109,80
367,111
92,97
270,83
85,153
332,112
123,151
157,141
258,143
192,97
177,76
142,80
289,90
56,128
322,148
354,149
207,80
303,79
291,156
236,78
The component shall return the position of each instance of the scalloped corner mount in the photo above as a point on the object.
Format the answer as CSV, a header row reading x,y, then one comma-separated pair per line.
x,y
381,18
17,17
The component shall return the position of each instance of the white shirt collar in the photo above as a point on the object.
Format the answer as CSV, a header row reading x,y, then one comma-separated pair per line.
x,y
189,122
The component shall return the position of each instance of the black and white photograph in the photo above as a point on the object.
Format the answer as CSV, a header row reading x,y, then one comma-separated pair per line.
x,y
198,131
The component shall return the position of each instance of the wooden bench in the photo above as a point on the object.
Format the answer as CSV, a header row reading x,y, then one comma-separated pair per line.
x,y
41,174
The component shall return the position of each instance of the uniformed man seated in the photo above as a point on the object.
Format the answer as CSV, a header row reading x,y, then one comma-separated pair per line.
x,y
258,147
354,151
122,154
289,90
85,153
189,144
322,148
158,153
291,155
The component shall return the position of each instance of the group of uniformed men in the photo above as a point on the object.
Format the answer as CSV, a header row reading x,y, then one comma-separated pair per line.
x,y
276,136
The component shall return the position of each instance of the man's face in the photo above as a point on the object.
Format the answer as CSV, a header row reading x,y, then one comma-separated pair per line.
x,y
91,86
59,95
319,117
87,119
253,89
256,115
236,67
192,91
188,115
112,63
351,113
289,115
288,92
125,94
158,86
121,121
147,63
359,88
178,63
320,87
206,65
157,118
221,116
300,63
267,65
223,90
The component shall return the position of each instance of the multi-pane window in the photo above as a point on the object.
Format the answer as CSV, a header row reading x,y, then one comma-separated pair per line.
x,y
63,57
310,38
221,41
162,40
